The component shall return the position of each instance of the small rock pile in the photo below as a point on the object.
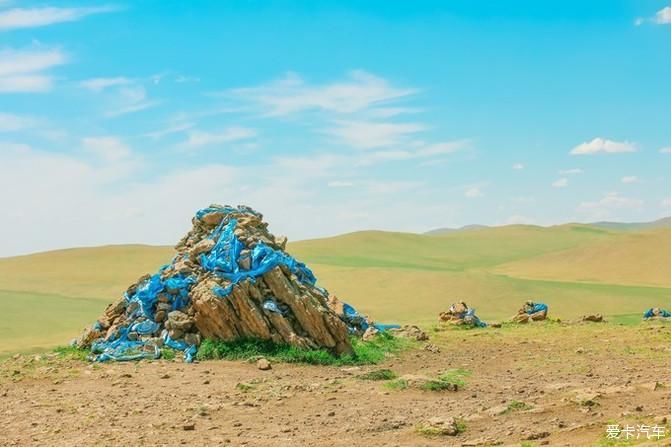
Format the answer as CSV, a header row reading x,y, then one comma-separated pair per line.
x,y
230,279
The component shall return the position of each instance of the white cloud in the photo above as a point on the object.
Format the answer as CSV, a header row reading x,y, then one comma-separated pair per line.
x,y
197,138
574,171
99,84
610,203
473,192
130,99
601,145
36,17
421,151
22,71
629,179
518,166
520,220
92,202
13,123
392,187
339,184
367,134
443,148
665,150
663,16
181,79
109,149
360,91
561,183
666,203
171,129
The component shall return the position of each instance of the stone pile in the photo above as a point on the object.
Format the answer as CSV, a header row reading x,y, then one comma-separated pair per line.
x,y
230,279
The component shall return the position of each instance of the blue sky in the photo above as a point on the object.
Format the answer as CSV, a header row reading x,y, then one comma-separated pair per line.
x,y
119,120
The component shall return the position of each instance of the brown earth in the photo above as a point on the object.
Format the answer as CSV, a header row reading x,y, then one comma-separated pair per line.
x,y
572,381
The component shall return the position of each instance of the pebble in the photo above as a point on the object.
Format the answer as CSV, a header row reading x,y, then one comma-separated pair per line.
x,y
263,365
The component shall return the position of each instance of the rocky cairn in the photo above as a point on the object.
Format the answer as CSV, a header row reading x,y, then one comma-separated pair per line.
x,y
230,279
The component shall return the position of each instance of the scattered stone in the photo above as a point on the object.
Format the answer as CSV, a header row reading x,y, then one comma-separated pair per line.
x,y
497,410
432,348
586,398
593,318
536,436
263,364
189,426
481,442
439,426
410,331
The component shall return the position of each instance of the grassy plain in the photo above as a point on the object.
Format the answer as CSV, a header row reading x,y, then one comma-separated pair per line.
x,y
395,277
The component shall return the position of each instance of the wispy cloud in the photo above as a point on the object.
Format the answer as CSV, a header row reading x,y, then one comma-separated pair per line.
x,y
130,99
574,171
665,203
604,146
177,127
197,138
23,71
421,151
561,183
520,220
392,187
518,166
339,184
107,148
36,17
665,150
99,84
473,192
13,123
368,134
361,90
629,179
608,204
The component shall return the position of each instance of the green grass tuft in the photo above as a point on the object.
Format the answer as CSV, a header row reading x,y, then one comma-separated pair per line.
x,y
168,353
432,431
438,385
72,353
378,374
517,405
450,380
365,352
455,376
398,384
244,387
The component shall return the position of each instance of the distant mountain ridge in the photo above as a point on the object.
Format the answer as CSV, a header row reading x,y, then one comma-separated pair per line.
x,y
664,222
453,230
659,223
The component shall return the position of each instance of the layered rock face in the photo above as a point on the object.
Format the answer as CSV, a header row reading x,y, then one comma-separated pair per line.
x,y
230,279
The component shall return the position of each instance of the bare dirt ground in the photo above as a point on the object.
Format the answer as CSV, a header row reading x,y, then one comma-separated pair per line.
x,y
538,385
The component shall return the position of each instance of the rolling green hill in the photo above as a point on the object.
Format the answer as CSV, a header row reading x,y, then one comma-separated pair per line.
x,y
397,277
